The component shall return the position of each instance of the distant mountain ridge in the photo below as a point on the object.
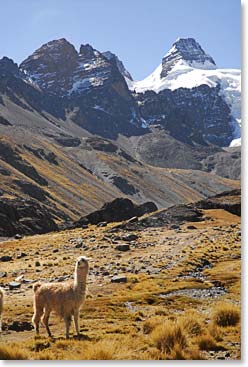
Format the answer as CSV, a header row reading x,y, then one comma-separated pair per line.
x,y
57,68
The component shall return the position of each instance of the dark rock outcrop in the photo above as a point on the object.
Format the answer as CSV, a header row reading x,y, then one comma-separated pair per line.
x,y
229,201
4,122
24,217
68,141
32,190
102,145
14,285
42,154
177,215
116,211
123,185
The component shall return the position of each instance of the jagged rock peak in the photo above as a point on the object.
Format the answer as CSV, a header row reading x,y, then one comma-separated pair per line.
x,y
59,69
54,50
189,51
87,50
112,57
8,67
51,66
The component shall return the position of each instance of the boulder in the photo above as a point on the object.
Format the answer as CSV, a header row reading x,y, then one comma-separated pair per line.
x,y
21,255
122,247
130,237
191,227
18,236
14,285
116,211
6,258
20,326
119,279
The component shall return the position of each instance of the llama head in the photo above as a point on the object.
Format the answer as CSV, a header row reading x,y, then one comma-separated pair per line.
x,y
82,263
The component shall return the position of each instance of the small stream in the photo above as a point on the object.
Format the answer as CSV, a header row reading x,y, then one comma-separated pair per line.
x,y
212,292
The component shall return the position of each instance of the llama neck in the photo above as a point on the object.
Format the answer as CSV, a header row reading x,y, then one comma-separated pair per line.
x,y
80,280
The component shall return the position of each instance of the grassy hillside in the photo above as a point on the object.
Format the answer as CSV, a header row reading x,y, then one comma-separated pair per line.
x,y
181,298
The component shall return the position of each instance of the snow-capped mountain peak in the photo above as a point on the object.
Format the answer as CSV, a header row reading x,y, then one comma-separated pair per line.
x,y
186,65
188,52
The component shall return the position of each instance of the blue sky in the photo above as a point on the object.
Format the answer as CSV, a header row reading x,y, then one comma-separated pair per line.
x,y
140,32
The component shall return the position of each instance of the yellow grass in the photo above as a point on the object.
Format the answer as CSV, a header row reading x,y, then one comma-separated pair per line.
x,y
207,342
132,320
167,336
226,315
12,352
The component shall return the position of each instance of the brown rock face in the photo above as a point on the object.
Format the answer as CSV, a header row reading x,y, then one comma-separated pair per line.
x,y
59,69
52,65
84,82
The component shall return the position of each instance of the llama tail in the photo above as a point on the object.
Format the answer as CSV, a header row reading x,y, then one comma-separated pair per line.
x,y
36,286
1,293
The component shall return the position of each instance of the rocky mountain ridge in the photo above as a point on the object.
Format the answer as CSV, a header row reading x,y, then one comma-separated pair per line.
x,y
98,93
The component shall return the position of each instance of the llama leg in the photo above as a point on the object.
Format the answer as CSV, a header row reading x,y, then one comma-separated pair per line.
x,y
67,325
45,320
36,319
75,318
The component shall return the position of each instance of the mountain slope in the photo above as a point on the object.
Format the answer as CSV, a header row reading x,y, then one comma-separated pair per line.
x,y
73,173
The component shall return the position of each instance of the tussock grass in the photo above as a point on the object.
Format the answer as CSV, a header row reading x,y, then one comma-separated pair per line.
x,y
179,354
150,324
106,350
121,347
12,352
45,356
207,342
191,323
168,336
216,332
226,315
